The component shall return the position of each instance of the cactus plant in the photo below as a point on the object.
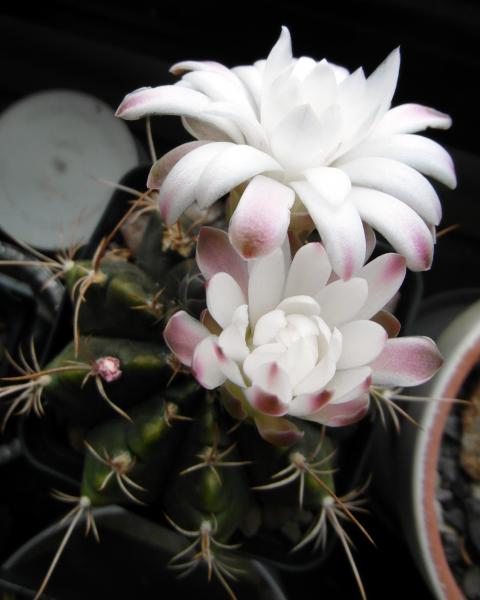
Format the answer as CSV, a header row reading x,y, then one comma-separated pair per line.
x,y
216,406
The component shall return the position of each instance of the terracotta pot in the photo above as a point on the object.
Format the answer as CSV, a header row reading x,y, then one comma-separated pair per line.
x,y
408,479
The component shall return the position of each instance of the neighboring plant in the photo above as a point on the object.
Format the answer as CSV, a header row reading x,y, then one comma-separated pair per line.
x,y
283,323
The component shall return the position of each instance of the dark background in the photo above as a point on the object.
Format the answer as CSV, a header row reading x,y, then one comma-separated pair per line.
x,y
108,49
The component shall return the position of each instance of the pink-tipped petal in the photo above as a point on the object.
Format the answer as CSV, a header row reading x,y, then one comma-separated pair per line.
x,y
398,223
406,362
341,230
271,390
162,100
277,431
309,271
224,296
261,219
230,168
265,285
384,276
182,334
362,342
178,190
215,254
308,404
341,415
340,301
162,167
410,118
265,402
229,367
399,180
205,366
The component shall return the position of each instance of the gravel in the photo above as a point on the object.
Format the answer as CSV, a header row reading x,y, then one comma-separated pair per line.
x,y
458,497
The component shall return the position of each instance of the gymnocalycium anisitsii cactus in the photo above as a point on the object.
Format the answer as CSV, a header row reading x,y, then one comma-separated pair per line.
x,y
211,367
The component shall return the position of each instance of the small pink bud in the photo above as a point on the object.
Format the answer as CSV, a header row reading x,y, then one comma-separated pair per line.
x,y
108,367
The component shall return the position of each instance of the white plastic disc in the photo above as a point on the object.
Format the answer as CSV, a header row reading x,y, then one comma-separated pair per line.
x,y
53,146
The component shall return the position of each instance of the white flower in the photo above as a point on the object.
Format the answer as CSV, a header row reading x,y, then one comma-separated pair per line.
x,y
293,339
326,141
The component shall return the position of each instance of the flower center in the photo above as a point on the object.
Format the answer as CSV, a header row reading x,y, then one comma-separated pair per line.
x,y
293,335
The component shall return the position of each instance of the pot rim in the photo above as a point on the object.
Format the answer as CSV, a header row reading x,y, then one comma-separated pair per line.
x,y
460,345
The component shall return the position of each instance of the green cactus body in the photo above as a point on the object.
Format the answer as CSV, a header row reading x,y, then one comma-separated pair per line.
x,y
120,304
281,501
218,493
140,449
144,369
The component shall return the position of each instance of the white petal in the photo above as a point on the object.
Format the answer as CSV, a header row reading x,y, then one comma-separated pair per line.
x,y
318,377
300,359
406,361
232,339
251,79
268,326
267,353
205,365
182,334
162,167
265,286
382,82
244,119
332,185
398,223
217,86
230,168
349,383
199,65
398,180
211,128
384,276
215,254
342,300
304,326
362,342
261,219
319,87
302,139
224,296
162,100
302,305
417,151
410,118
279,58
178,189
309,271
341,230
